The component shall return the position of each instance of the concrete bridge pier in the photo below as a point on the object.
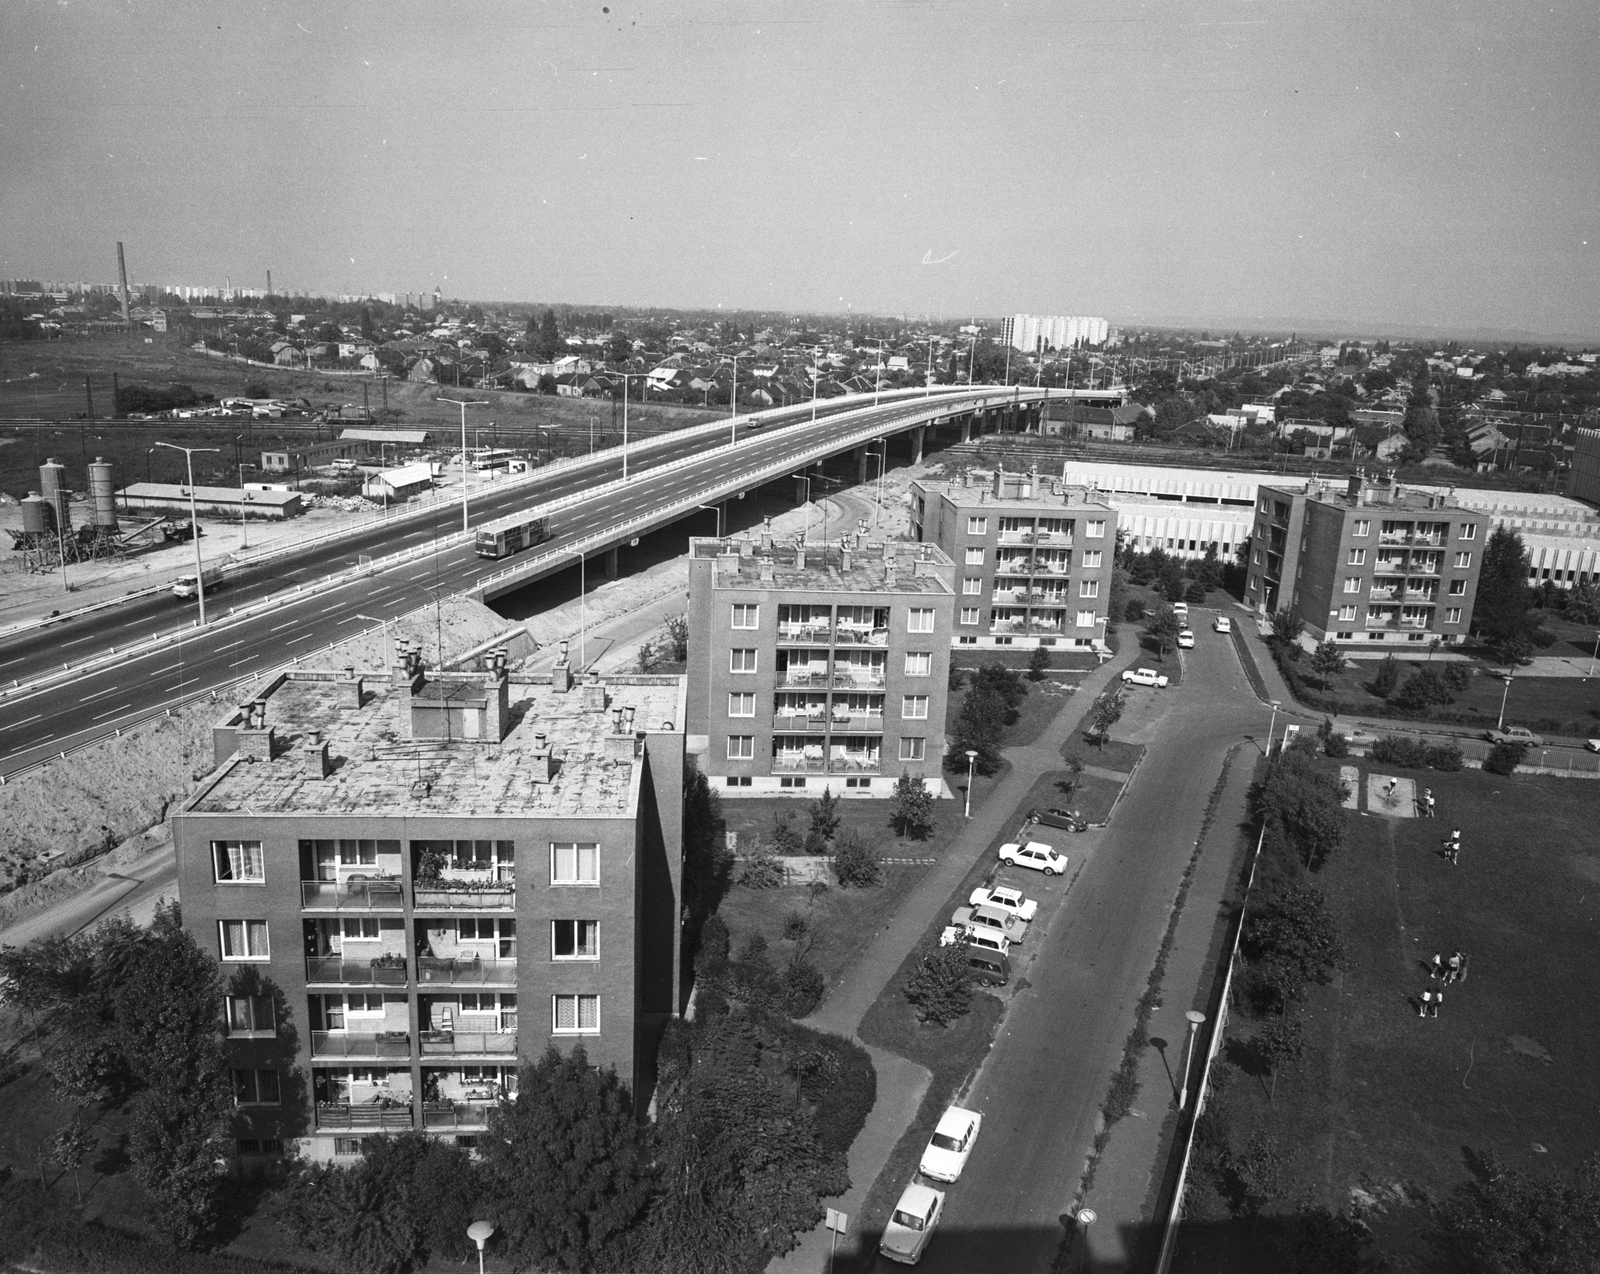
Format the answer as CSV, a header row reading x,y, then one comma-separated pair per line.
x,y
917,435
861,466
966,427
611,567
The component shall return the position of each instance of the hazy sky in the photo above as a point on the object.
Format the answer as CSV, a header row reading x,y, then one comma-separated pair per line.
x,y
1372,162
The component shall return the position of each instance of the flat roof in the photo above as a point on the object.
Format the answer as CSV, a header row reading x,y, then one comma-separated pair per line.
x,y
415,437
1047,495
1380,498
870,567
206,495
379,773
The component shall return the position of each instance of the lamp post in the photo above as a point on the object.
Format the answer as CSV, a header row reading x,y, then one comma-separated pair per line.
x,y
479,1232
1595,655
1195,1019
883,461
1273,725
717,509
583,610
383,635
1501,722
194,521
733,403
626,377
464,404
244,496
972,762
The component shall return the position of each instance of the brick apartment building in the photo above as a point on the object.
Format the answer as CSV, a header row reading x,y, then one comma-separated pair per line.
x,y
416,881
1033,559
1367,562
818,665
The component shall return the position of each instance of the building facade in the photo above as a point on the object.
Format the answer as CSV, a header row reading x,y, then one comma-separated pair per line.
x,y
414,883
817,666
1031,333
1367,562
1033,560
1585,481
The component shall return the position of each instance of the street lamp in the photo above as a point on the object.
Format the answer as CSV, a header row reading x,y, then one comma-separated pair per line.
x,y
972,763
1506,676
626,377
244,496
733,403
383,635
479,1232
194,522
1595,655
717,509
463,404
1273,725
883,463
1195,1019
583,611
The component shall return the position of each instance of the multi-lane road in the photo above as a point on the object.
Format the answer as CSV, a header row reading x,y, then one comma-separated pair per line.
x,y
62,712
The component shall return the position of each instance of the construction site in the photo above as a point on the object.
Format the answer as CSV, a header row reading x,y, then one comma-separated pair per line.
x,y
49,534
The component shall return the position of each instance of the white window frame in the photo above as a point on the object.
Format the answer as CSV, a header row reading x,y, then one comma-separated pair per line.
x,y
974,557
741,747
1463,561
591,957
971,587
1089,588
909,705
1361,526
1086,619
255,1073
360,922
1094,529
1091,559
241,855
1347,614
913,749
1469,531
741,703
920,619
919,663
971,614
1458,588
746,611
1452,615
577,849
977,526
260,1014
578,1004
742,655
1358,557
248,930
1352,584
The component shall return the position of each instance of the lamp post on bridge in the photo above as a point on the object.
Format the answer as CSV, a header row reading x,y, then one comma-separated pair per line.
x,y
194,524
464,404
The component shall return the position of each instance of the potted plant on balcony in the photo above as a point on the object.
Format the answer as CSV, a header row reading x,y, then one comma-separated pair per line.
x,y
389,960
430,867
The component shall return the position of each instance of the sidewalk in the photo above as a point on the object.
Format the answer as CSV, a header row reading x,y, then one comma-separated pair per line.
x,y
901,1083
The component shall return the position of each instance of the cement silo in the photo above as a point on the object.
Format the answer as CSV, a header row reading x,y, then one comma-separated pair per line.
x,y
37,517
53,486
102,496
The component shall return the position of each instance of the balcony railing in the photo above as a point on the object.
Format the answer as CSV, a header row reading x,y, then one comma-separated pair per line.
x,y
352,895
790,764
469,1043
800,722
819,634
439,970
855,763
343,1115
458,894
872,722
847,676
1381,621
456,1114
805,678
354,972
345,1044
849,635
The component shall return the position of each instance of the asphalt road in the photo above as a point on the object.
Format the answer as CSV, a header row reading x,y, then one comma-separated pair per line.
x,y
38,724
1041,1087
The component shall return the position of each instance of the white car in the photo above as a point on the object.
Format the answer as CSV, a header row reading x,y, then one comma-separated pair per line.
x,y
1035,855
911,1224
951,1146
991,920
1593,745
1185,639
1007,899
1181,609
1144,677
1222,624
987,939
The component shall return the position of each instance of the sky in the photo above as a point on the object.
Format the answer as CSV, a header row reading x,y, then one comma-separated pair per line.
x,y
1380,164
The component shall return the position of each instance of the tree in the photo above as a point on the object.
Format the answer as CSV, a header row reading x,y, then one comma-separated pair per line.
x,y
1583,603
1104,713
1294,940
824,813
1501,610
1038,663
1504,757
1387,677
1117,597
912,812
785,839
1286,627
1326,661
1281,1042
1163,627
979,727
1324,1242
1512,1222
677,630
567,1164
855,863
939,985
547,343
70,1147
1261,1170
1422,690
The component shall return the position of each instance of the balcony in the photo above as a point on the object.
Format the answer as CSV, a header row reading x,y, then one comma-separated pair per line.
x,y
1387,593
870,722
456,1114
1381,621
849,676
814,634
387,1115
352,895
436,970
470,1043
369,972
385,1044
859,635
855,763
807,677
800,722
796,763
464,894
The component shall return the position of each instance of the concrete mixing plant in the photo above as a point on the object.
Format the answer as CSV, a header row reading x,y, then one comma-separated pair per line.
x,y
48,535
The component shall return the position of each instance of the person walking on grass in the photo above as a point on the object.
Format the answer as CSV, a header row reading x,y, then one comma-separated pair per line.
x,y
1422,1004
1435,968
1433,1008
1427,802
1453,968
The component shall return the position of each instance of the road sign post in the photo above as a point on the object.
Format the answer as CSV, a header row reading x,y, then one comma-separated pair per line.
x,y
838,1223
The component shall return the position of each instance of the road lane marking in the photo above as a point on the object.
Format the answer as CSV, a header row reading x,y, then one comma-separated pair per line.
x,y
281,627
335,606
374,592
76,640
301,637
15,725
109,690
180,685
9,662
124,708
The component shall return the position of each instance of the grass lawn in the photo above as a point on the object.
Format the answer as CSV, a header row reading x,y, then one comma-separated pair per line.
x,y
1112,755
1037,711
1387,1110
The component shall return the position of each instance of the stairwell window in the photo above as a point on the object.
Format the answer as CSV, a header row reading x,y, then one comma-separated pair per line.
x,y
1091,559
914,708
1469,530
746,616
1086,619
972,587
1452,615
919,663
574,863
974,557
250,1015
741,661
1089,588
1463,561
977,526
575,1014
238,862
742,704
919,619
913,749
1358,557
1362,526
244,939
741,747
256,1087
969,614
1094,530
574,939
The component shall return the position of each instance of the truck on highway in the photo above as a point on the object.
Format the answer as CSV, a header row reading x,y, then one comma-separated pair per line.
x,y
509,535
189,586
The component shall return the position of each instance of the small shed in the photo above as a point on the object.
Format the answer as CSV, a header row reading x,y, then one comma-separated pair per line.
x,y
399,484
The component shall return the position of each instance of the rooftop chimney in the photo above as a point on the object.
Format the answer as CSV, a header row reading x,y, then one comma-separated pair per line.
x,y
256,743
844,554
766,569
594,694
351,689
766,535
800,556
316,748
541,765
561,675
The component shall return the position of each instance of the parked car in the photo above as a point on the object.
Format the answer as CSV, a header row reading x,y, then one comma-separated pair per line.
x,y
1144,677
1181,609
1593,745
991,920
1004,898
992,968
1052,817
1515,734
1036,855
1222,624
1361,738
951,1144
1185,639
981,938
911,1224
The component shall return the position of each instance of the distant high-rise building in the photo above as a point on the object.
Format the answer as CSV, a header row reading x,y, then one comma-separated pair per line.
x,y
1033,332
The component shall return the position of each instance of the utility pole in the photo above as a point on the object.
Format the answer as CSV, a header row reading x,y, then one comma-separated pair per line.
x,y
457,402
194,522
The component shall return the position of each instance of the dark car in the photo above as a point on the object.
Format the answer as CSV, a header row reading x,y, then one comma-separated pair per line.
x,y
989,967
1069,819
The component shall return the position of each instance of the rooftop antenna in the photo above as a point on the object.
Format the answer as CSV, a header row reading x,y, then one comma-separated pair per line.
x,y
122,273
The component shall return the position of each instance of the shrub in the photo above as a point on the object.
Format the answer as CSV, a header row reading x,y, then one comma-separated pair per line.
x,y
762,870
801,987
1457,676
1446,757
1387,677
1038,663
785,838
1195,594
855,864
1422,690
1409,754
1134,611
1336,745
1504,758
939,986
795,925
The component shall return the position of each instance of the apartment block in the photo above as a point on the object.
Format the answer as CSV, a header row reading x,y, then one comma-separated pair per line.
x,y
1367,562
415,881
1033,560
817,666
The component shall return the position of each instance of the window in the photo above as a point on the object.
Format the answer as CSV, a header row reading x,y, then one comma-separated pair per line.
x,y
358,853
345,1146
574,864
914,708
244,939
575,939
1452,615
919,619
913,749
1463,561
360,929
974,557
919,663
1094,530
1358,557
1469,530
968,641
260,1145
741,747
741,661
791,781
1257,558
746,616
1086,619
741,704
971,586
1352,584
1089,588
1347,613
1091,559
238,862
1458,588
1361,526
969,614
256,1087
738,780
249,1015
977,526
576,1013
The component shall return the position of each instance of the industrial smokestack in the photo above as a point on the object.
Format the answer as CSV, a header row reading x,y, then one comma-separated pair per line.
x,y
269,282
122,274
